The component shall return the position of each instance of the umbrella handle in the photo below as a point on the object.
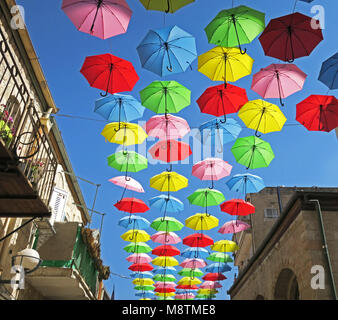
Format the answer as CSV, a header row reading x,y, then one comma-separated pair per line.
x,y
189,65
132,237
116,130
168,3
170,168
104,94
291,60
242,52
257,135
170,69
281,102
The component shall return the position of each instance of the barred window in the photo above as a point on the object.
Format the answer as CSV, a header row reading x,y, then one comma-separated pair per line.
x,y
271,213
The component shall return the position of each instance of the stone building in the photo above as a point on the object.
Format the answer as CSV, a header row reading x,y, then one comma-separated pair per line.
x,y
291,250
38,188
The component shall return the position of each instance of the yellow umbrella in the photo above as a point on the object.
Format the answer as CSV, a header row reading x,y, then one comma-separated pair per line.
x,y
143,281
124,133
201,221
136,236
168,181
224,246
145,299
225,64
165,294
189,281
207,291
262,116
163,261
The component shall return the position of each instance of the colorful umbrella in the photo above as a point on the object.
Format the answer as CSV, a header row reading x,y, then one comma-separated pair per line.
x,y
168,181
164,278
144,288
195,253
141,275
329,72
210,285
166,250
109,73
220,257
165,294
262,116
145,294
131,205
140,258
220,101
278,81
224,246
187,296
252,152
246,183
100,18
166,51
206,197
186,287
318,113
166,237
139,247
201,221
170,150
165,5
193,263
290,37
214,277
238,207
160,284
165,298
165,270
164,261
233,226
165,290
188,272
143,282
141,267
127,183
207,291
127,161
136,236
189,281
225,64
134,222
167,224
218,267
198,240
235,26
166,204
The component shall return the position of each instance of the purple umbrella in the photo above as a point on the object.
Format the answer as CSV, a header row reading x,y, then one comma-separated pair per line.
x,y
100,18
278,81
233,226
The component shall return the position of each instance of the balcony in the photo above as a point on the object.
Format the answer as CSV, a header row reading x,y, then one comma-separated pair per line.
x,y
27,161
71,267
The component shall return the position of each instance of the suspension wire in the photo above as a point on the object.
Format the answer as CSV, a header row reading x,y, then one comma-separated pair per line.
x,y
118,275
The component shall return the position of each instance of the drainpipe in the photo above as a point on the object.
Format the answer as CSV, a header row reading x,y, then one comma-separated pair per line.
x,y
319,211
279,201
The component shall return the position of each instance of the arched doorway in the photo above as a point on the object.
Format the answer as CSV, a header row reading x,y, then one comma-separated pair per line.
x,y
286,286
259,297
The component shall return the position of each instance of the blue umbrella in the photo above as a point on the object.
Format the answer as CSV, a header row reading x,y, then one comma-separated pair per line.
x,y
165,270
245,183
166,204
195,253
134,222
145,294
168,50
184,291
119,107
218,267
142,274
329,72
308,1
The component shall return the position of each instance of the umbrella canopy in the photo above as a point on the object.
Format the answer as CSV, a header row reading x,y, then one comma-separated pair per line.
x,y
100,18
278,81
195,253
252,152
136,236
165,298
144,288
168,181
127,161
186,287
329,72
145,294
166,204
164,278
318,113
141,267
233,226
206,197
131,205
165,294
127,183
167,224
165,5
207,291
246,183
165,270
109,73
225,246
214,277
124,133
170,150
220,257
193,263
220,100
201,221
139,247
166,250
198,240
165,97
134,222
166,237
143,282
218,267
189,281
186,296
188,272
210,285
141,275
262,116
290,37
225,64
167,51
165,285
165,290
235,26
238,207
140,258
165,261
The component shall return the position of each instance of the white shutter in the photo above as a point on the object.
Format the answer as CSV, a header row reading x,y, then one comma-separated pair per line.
x,y
58,203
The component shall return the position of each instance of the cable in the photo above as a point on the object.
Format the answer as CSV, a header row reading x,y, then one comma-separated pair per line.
x,y
119,275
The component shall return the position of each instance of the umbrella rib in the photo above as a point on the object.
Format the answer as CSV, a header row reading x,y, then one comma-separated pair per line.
x,y
85,18
104,6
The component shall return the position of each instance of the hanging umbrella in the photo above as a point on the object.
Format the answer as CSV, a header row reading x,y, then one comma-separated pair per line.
x,y
210,285
165,97
246,183
143,282
164,278
141,267
166,204
218,267
225,64
165,5
167,224
318,113
166,237
127,183
166,250
186,287
141,275
144,288
290,37
127,161
235,26
195,253
224,246
139,247
167,51
165,294
262,116
139,258
211,169
193,263
278,81
189,281
252,152
188,272
165,290
168,181
124,133
238,207
187,296
136,236
165,298
134,222
100,18
168,270
109,73
164,261
233,226
198,240
214,277
184,291
160,284
201,221
207,291
131,205
220,101
145,294
220,257
329,72
167,127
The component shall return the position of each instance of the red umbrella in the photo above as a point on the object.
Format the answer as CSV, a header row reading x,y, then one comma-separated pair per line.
x,y
198,240
187,287
166,250
109,73
220,100
238,207
290,37
141,267
131,205
214,277
318,113
165,290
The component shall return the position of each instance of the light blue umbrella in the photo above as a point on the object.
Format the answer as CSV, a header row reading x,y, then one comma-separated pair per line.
x,y
185,291
218,267
134,222
165,270
145,294
245,183
195,252
142,274
329,72
166,204
168,50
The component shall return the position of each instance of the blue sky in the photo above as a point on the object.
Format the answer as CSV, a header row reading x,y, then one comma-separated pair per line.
x,y
302,158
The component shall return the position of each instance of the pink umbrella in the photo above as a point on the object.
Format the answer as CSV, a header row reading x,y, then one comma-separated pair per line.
x,y
127,183
193,263
166,127
278,81
100,18
210,285
233,226
165,237
163,285
211,169
185,296
139,258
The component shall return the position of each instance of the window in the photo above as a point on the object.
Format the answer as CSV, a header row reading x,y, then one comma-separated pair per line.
x,y
58,203
271,213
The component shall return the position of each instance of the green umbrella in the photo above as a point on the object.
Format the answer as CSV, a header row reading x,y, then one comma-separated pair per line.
x,y
139,247
144,288
236,26
205,296
165,298
167,224
220,257
127,161
165,97
165,5
164,278
252,152
188,272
